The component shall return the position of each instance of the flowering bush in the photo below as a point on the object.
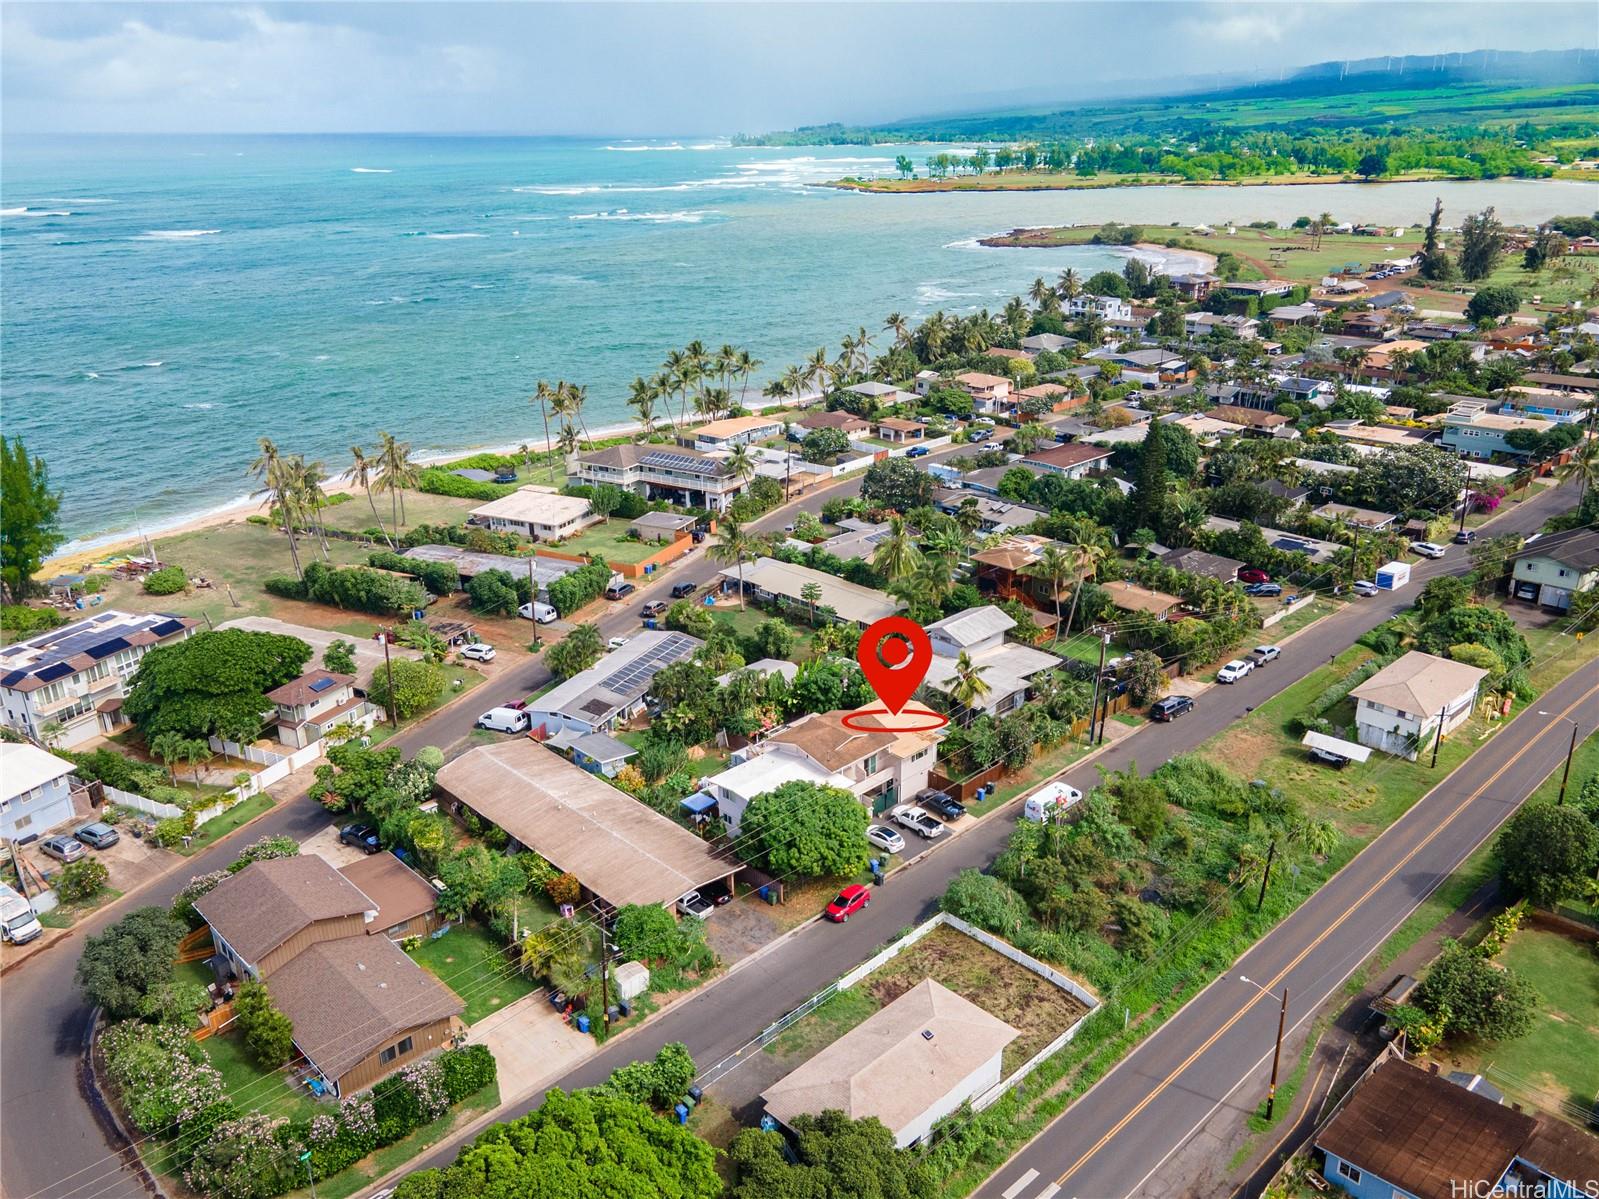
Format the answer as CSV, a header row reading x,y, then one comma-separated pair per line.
x,y
198,886
245,1158
426,1081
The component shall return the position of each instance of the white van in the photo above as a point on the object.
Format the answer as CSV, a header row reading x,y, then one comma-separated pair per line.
x,y
1050,802
542,613
505,720
18,924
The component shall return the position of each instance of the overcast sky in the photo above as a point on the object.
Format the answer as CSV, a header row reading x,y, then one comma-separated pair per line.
x,y
670,69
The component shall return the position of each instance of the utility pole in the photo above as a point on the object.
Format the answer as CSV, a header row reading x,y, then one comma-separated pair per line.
x,y
1093,709
1465,500
533,599
388,667
1566,777
605,977
1439,739
1276,1056
1271,855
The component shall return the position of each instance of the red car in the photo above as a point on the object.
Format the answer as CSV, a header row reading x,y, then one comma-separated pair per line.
x,y
851,899
1253,576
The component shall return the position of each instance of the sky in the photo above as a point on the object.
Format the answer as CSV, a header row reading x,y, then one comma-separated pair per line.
x,y
640,69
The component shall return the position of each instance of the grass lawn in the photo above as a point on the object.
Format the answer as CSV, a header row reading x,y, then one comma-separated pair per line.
x,y
1295,621
253,1088
1084,649
1557,1063
746,622
65,915
421,508
236,816
471,962
609,539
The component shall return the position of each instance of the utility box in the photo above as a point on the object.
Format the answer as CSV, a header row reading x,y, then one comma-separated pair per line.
x,y
1393,576
632,979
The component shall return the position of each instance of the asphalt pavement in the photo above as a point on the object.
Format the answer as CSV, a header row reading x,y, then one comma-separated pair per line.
x,y
43,1022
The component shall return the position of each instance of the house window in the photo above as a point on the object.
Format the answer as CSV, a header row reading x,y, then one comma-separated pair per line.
x,y
22,822
404,1046
388,1055
1345,1170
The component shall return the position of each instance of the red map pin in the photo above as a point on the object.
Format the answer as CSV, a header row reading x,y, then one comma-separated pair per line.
x,y
894,654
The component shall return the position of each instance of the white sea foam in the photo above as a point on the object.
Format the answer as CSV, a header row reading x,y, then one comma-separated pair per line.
x,y
640,149
201,407
449,236
24,210
965,243
321,357
76,200
174,234
91,374
370,171
682,217
936,293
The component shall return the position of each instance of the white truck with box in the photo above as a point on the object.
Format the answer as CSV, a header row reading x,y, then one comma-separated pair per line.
x,y
1393,576
1050,802
19,924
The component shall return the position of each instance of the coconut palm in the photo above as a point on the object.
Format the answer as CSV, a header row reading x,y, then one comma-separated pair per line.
x,y
934,579
270,468
794,381
778,389
818,370
641,398
934,334
725,365
676,377
969,516
736,544
968,687
745,366
1040,293
309,477
899,327
1056,568
567,441
541,396
396,472
1069,286
898,555
740,463
1583,467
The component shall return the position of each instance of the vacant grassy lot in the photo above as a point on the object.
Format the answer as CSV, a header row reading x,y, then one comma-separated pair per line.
x,y
609,540
238,815
1557,1064
471,962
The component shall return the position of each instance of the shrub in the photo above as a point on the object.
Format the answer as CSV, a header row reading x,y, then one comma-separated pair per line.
x,y
362,589
21,619
267,1031
468,1070
82,880
197,887
286,586
122,965
416,685
172,830
169,580
571,591
563,888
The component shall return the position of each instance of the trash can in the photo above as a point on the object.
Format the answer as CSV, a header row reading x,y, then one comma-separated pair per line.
x,y
766,895
582,1023
681,1112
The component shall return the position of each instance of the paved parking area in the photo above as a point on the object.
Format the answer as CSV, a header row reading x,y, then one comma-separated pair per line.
x,y
531,1043
327,846
130,862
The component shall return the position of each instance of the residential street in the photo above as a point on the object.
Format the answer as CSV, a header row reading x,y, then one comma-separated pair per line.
x,y
1110,1142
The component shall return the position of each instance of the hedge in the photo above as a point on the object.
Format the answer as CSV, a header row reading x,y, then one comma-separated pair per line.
x,y
19,618
571,591
169,580
436,480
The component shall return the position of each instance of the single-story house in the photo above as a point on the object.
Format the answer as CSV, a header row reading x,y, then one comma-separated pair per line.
x,y
1399,709
1056,395
1198,562
1258,288
613,689
316,702
1075,460
538,513
1550,569
621,851
763,667
1007,667
1286,316
1319,552
774,580
735,430
662,526
884,393
735,788
1130,597
35,791
892,428
470,563
601,753
994,515
1051,343
1575,384
1366,519
1381,357
845,422
1562,407
909,1064
1406,1132
407,904
272,910
985,480
1252,419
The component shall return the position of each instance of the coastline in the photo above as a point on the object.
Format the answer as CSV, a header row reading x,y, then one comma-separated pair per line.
x,y
1171,260
886,186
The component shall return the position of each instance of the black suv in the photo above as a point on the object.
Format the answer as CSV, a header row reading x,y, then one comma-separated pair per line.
x,y
938,801
362,836
679,590
1171,707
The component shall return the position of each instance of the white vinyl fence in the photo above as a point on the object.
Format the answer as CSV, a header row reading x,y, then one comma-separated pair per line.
x,y
278,766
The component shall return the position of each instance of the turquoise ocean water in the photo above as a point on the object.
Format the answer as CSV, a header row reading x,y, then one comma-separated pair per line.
x,y
165,301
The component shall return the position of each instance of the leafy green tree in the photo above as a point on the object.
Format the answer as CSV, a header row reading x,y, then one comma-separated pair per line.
x,y
575,653
1548,853
838,1158
1475,997
805,828
339,657
1152,484
1108,283
774,638
267,1032
1475,624
1482,244
645,931
896,483
658,1083
82,880
1490,303
985,901
493,592
1435,261
417,685
30,525
686,616
823,445
125,963
1146,677
212,680
1371,165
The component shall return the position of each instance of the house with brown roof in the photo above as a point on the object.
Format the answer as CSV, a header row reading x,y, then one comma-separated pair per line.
x,y
270,911
893,428
990,393
735,430
1199,562
1409,1133
316,702
1074,460
1413,700
407,904
881,768
1004,571
909,1064
1130,597
1056,395
845,422
1253,419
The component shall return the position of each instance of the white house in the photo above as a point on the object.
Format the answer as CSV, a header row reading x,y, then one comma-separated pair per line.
x,y
990,393
1108,308
35,791
315,703
75,676
1548,570
735,430
1399,708
613,688
910,1064
736,787
1008,668
538,513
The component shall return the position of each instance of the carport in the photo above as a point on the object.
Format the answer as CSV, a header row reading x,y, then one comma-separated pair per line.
x,y
1337,747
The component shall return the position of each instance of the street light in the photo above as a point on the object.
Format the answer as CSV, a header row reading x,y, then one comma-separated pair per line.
x,y
1277,1054
1570,750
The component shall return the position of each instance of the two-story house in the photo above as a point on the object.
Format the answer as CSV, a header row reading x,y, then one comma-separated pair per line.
x,y
1472,430
990,393
676,474
74,677
1107,308
35,791
317,701
1399,709
1550,569
1006,668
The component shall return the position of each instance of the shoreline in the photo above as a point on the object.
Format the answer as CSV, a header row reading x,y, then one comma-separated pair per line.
x,y
79,554
889,186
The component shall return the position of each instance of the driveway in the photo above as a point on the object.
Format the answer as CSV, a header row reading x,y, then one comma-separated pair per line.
x,y
532,1045
326,845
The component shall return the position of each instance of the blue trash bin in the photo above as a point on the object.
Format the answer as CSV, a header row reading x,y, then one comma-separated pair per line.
x,y
582,1024
681,1112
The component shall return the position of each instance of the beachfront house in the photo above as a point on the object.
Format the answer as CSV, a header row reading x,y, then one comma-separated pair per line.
x,y
66,686
1107,308
735,430
35,791
1399,709
537,513
679,475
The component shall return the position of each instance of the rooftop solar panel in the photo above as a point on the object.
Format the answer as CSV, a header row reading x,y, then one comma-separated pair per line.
x,y
106,648
699,466
167,627
12,678
323,684
56,670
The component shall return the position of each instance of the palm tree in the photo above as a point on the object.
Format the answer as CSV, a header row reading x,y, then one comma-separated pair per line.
x,y
745,366
968,686
1583,467
567,441
676,376
308,479
969,516
1056,568
740,463
934,579
1088,553
897,325
361,476
898,555
542,396
641,398
1040,293
726,363
270,468
1069,287
736,544
817,370
396,472
577,394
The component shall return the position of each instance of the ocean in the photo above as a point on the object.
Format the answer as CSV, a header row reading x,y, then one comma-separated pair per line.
x,y
166,301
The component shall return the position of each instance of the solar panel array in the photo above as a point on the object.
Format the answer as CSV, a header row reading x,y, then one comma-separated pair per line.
x,y
633,679
56,670
323,684
47,657
669,461
106,648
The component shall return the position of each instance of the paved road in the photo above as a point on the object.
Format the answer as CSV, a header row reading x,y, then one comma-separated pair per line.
x,y
42,1022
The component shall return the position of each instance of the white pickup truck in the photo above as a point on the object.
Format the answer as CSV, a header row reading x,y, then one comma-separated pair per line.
x,y
919,822
695,904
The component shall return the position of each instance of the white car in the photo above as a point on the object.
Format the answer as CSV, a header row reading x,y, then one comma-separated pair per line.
x,y
1427,549
885,838
505,720
1265,653
616,643
542,613
1234,670
1365,587
478,652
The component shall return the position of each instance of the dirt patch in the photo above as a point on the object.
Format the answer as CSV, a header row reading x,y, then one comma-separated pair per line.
x,y
1038,1009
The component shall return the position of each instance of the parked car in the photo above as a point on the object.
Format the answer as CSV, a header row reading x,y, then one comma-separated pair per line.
x,y
719,893
1465,536
1253,575
680,590
917,451
695,904
941,802
98,835
1265,653
616,643
18,922
1265,590
362,836
978,434
1364,587
505,720
478,652
853,898
1427,549
1327,757
1050,801
63,848
1171,707
653,609
985,421
885,838
918,821
543,613
1234,670
618,591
